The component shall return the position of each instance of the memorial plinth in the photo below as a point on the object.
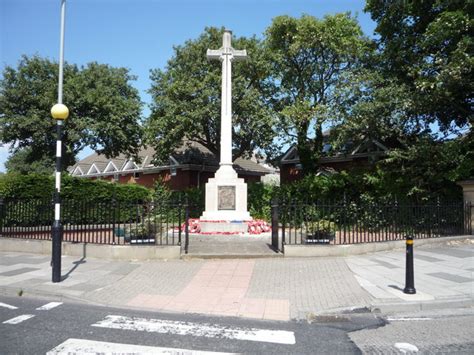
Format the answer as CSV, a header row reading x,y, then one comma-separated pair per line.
x,y
226,194
226,203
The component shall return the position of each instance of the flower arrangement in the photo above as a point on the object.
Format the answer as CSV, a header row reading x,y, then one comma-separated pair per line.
x,y
257,226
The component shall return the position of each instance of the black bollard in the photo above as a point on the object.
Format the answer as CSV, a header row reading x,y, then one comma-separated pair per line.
x,y
409,272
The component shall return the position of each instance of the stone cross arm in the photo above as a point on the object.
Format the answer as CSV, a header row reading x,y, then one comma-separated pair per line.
x,y
226,51
237,55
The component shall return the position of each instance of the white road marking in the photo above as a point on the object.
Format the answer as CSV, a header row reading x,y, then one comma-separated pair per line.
x,y
49,306
7,306
19,319
83,346
197,329
406,348
407,319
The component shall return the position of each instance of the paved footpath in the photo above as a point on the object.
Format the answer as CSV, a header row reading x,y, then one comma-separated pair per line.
x,y
275,289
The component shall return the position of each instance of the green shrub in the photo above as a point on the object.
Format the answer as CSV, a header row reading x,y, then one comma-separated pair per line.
x,y
161,192
28,200
259,200
26,187
41,187
321,225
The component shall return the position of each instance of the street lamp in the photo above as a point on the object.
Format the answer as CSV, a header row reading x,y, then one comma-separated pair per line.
x,y
59,112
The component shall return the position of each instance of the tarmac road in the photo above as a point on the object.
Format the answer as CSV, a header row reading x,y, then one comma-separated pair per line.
x,y
28,330
45,326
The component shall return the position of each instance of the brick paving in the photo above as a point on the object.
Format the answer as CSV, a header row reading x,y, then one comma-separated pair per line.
x,y
310,284
275,288
218,288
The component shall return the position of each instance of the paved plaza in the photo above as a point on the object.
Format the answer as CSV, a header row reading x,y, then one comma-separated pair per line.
x,y
260,288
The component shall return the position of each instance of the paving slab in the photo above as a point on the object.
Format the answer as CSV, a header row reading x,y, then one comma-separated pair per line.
x,y
267,288
441,274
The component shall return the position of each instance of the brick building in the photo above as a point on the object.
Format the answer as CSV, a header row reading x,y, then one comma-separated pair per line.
x,y
362,155
191,165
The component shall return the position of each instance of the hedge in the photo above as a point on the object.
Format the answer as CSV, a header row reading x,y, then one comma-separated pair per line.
x,y
41,187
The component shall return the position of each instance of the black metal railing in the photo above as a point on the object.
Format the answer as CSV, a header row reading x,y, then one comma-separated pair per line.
x,y
351,223
293,222
99,222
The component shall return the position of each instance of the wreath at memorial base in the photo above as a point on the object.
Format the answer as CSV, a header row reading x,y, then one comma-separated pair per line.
x,y
257,226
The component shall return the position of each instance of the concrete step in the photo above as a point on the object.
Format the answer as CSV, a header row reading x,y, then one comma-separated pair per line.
x,y
194,256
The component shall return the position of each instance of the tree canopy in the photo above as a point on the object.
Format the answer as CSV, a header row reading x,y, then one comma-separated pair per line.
x,y
23,161
104,111
427,47
187,94
411,86
311,59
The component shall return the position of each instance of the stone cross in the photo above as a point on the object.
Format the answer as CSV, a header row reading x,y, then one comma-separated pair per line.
x,y
226,54
226,193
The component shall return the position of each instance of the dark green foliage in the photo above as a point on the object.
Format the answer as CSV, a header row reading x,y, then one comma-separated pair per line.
x,y
196,199
310,60
176,200
259,200
28,187
24,162
318,188
41,187
187,98
427,47
104,111
28,200
161,192
425,169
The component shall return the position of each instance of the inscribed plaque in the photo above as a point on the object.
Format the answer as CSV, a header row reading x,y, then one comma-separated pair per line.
x,y
226,198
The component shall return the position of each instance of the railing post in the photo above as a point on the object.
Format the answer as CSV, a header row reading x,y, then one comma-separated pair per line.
x,y
468,219
344,219
2,206
186,226
275,222
438,212
180,206
114,206
283,224
471,212
409,271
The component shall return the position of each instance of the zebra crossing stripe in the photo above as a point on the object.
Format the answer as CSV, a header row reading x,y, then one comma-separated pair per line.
x,y
197,329
19,319
83,346
407,319
49,306
4,305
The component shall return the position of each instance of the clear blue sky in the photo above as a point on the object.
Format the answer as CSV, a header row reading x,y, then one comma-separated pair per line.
x,y
140,34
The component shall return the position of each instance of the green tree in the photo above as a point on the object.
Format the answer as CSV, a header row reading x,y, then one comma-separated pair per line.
x,y
187,95
375,107
311,59
22,161
421,75
104,110
419,163
425,169
427,47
